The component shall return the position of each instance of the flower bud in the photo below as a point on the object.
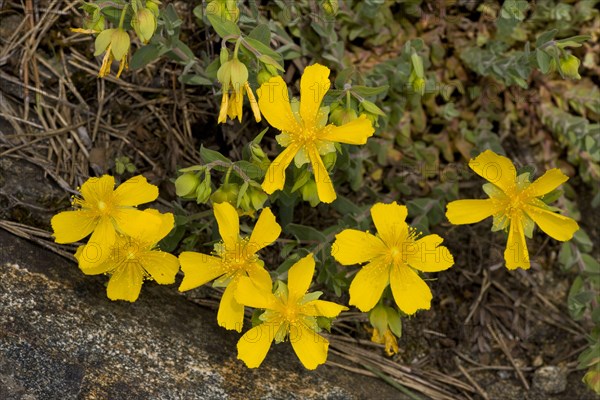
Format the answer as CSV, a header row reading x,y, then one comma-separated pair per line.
x,y
186,184
330,7
228,192
144,24
569,66
592,379
239,74
342,115
225,9
152,5
204,190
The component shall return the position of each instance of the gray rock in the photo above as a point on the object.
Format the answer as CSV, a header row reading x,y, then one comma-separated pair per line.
x,y
61,338
550,379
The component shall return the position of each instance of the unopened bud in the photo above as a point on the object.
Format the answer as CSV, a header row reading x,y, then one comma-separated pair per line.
x,y
186,184
204,190
569,65
144,24
228,192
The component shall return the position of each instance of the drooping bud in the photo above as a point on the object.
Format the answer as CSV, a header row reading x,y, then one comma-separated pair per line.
x,y
569,66
186,185
144,24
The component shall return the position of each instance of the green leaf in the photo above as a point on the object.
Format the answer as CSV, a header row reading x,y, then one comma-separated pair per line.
x,y
193,79
545,37
252,170
543,60
223,27
261,33
209,156
372,108
365,91
241,193
306,233
261,48
590,264
143,56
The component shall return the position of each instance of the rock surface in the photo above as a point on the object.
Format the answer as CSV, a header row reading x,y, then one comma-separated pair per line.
x,y
61,338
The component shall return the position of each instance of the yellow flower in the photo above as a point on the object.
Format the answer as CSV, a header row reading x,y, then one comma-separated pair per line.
x,y
393,256
515,202
387,339
134,258
233,75
235,257
105,212
290,311
115,42
386,325
304,132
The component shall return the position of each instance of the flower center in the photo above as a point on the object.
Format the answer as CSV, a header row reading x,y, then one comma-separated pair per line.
x,y
237,258
306,135
101,205
396,255
290,314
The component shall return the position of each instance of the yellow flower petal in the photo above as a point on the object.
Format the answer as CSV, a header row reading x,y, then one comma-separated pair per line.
x,y
354,132
166,226
224,107
322,308
253,103
106,64
98,248
198,269
353,247
314,84
275,176
390,221
231,313
95,189
265,232
72,226
325,189
310,347
236,103
135,191
251,295
274,103
496,169
462,212
427,255
546,183
300,276
410,292
126,283
368,284
229,223
555,225
254,345
98,269
260,277
516,254
161,266
138,224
